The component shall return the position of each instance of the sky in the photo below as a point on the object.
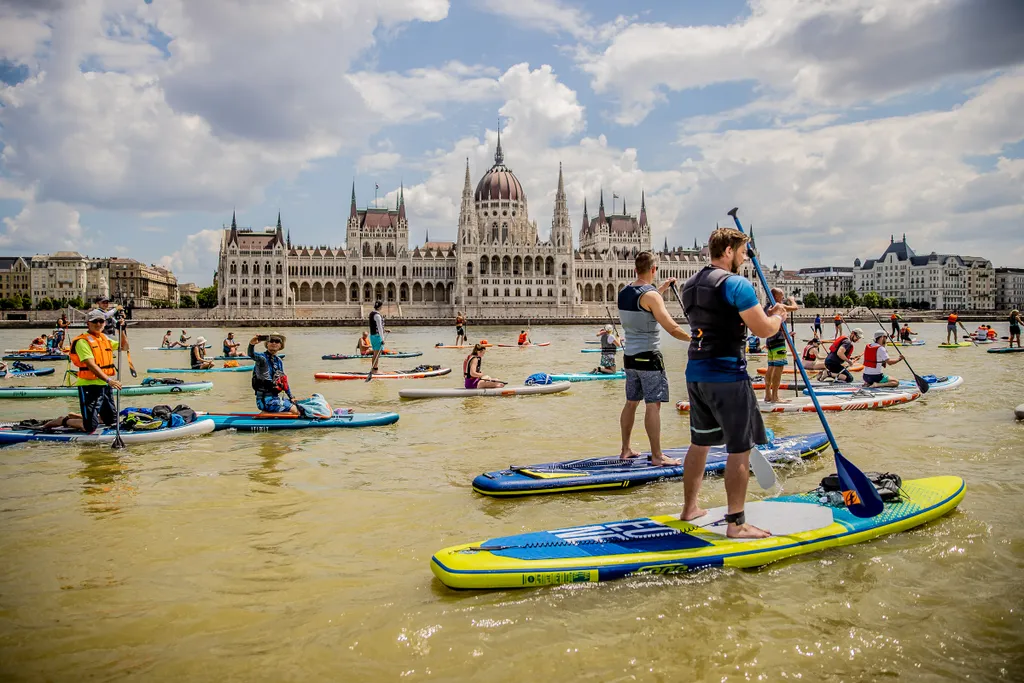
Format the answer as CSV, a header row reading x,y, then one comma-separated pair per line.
x,y
136,127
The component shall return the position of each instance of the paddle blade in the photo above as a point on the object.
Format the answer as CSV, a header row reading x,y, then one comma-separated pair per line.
x,y
860,495
118,444
763,471
922,384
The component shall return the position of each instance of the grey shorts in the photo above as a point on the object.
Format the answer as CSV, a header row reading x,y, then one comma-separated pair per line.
x,y
649,386
725,413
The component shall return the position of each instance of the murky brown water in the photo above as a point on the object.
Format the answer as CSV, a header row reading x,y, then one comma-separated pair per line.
x,y
304,556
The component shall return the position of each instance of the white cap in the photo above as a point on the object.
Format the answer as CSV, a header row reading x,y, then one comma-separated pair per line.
x,y
880,333
857,331
200,340
608,328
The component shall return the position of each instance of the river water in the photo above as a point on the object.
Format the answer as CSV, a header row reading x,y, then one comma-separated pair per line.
x,y
304,556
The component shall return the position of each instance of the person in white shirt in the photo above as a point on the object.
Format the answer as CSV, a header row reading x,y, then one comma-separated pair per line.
x,y
876,358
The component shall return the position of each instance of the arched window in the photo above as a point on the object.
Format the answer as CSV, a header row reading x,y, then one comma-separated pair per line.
x,y
354,272
403,293
234,268
565,270
245,268
403,271
469,268
353,292
367,292
483,265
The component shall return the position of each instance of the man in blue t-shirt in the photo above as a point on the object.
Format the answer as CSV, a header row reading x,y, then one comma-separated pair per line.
x,y
720,306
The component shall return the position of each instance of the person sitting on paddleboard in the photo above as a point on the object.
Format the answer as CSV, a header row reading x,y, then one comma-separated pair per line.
x,y
472,370
1014,321
812,355
524,338
839,355
951,321
198,355
363,345
876,358
268,378
231,345
460,329
166,342
905,334
991,334
609,346
38,344
719,305
183,339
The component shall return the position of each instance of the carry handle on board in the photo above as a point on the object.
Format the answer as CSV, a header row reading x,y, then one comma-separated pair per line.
x,y
861,497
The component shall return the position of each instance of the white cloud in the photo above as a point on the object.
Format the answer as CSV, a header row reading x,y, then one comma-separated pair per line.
x,y
197,258
545,15
378,161
43,227
416,94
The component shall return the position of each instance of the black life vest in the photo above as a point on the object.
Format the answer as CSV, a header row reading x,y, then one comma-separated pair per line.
x,y
716,327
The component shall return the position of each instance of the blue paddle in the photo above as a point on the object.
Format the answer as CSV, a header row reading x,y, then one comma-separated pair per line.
x,y
860,495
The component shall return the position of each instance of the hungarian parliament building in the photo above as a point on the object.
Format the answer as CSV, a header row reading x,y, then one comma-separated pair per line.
x,y
498,266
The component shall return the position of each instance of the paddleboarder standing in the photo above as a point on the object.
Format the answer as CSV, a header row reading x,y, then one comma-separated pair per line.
x,y
641,310
460,328
377,332
719,303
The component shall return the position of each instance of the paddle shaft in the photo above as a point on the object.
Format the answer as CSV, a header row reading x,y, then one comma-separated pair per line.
x,y
118,442
966,332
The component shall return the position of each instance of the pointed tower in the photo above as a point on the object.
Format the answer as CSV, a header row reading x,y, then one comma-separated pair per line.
x,y
468,233
643,209
585,228
352,205
624,212
401,203
499,156
353,235
233,235
279,235
665,250
600,211
561,231
289,238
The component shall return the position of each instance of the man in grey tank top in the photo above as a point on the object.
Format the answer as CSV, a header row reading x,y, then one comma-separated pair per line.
x,y
642,310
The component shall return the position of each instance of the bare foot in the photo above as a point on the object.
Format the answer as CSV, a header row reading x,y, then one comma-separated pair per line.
x,y
692,513
746,531
662,461
628,453
783,400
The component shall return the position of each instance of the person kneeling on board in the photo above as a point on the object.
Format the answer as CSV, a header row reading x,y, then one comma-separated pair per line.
x,y
524,338
723,408
472,370
268,378
363,345
198,355
93,354
876,358
642,310
609,346
839,356
905,334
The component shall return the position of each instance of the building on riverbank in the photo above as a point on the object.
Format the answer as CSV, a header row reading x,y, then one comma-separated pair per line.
x,y
942,281
144,286
69,275
497,266
1009,288
15,277
829,281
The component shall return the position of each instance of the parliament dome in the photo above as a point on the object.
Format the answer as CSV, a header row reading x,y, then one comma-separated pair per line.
x,y
499,183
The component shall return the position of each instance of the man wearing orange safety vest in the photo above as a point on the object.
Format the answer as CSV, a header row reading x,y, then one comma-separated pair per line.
x,y
93,355
951,328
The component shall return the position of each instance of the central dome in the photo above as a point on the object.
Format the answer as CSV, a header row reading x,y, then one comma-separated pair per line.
x,y
499,183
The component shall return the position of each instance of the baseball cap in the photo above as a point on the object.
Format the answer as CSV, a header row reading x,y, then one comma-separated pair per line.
x,y
880,333
95,315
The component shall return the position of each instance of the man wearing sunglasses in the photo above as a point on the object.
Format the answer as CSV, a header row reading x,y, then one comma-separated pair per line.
x,y
268,378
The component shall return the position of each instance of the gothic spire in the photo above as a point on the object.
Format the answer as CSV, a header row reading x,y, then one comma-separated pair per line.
x,y
234,224
401,202
279,220
600,210
561,184
666,244
289,238
467,189
499,156
586,219
352,206
643,209
233,235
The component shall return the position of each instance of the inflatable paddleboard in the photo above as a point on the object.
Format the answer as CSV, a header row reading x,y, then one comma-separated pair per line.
x,y
171,348
934,384
456,392
384,374
665,545
1005,349
240,359
10,436
172,371
916,342
37,372
831,403
460,346
587,376
36,356
254,422
522,346
127,390
357,356
618,349
794,370
613,472
958,345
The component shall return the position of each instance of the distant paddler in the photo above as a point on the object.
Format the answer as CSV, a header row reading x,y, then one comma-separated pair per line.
x,y
813,355
198,355
642,310
268,378
876,358
460,329
110,313
1014,321
38,344
840,354
776,345
231,346
719,304
472,371
610,345
377,332
951,322
167,343
92,353
524,337
837,320
905,334
817,325
363,345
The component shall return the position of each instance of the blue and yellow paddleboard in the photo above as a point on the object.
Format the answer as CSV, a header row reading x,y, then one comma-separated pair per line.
x,y
665,545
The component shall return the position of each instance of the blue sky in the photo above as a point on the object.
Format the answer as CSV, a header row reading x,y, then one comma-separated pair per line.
x,y
135,129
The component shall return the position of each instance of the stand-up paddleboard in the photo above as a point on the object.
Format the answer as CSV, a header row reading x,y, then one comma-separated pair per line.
x,y
915,342
522,346
460,346
958,345
35,372
358,356
106,435
456,392
171,371
172,348
618,349
935,383
794,371
613,472
240,359
384,374
127,390
666,545
257,422
36,356
1005,349
837,403
587,376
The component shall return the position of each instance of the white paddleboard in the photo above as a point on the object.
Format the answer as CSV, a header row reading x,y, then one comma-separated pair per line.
x,y
781,519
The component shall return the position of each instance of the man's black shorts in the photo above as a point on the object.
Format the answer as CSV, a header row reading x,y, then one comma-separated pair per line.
x,y
96,402
725,413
